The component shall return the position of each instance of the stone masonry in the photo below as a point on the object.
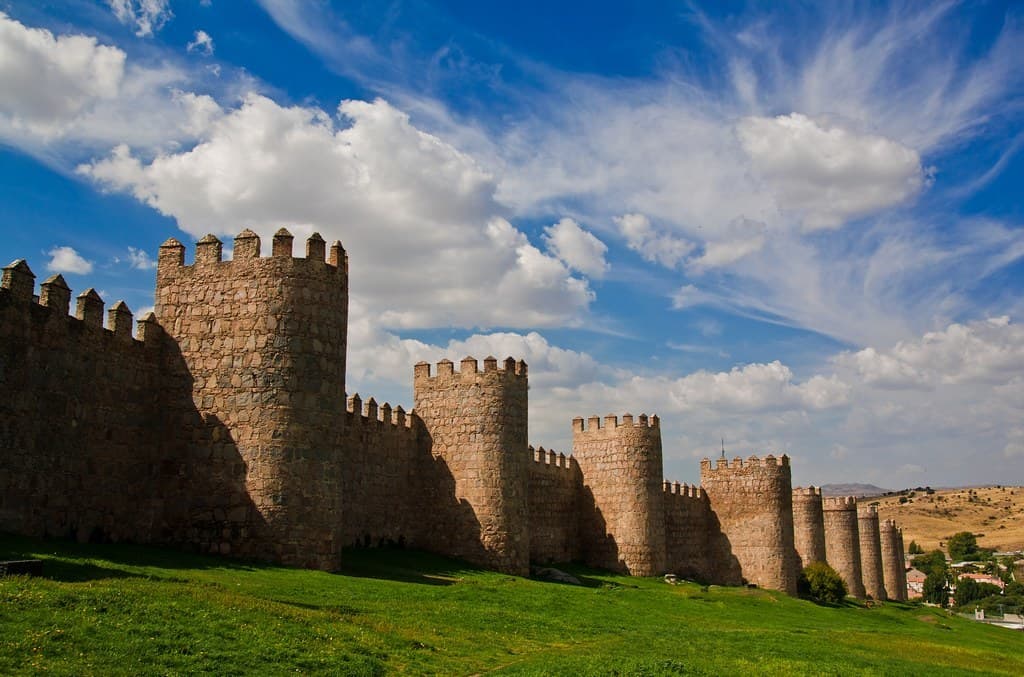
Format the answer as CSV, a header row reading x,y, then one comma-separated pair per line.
x,y
223,426
842,542
870,551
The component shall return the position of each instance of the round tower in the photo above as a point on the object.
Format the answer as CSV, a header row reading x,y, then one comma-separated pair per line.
x,y
870,552
476,422
623,516
260,344
808,525
892,561
842,541
753,502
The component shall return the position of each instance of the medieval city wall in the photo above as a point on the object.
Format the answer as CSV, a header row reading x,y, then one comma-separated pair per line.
x,y
261,349
79,415
753,503
555,483
475,421
842,542
383,458
892,561
870,552
687,532
808,525
622,513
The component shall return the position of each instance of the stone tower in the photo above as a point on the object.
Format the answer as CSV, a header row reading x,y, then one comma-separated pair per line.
x,y
260,343
808,525
870,552
476,425
623,514
753,501
842,541
892,561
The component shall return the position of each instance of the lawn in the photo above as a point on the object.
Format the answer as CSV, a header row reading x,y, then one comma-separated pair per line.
x,y
120,609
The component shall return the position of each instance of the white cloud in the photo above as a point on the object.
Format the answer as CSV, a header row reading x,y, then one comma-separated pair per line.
x,y
139,259
579,249
202,43
828,174
68,95
47,80
145,16
989,351
67,260
653,246
429,244
687,296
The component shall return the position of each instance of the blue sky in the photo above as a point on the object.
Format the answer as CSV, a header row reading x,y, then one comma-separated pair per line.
x,y
797,227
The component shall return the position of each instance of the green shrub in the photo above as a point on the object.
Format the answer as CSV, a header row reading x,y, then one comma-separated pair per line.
x,y
822,583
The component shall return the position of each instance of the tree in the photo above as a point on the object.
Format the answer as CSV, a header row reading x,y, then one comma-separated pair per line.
x,y
931,562
914,548
935,589
822,583
967,591
963,545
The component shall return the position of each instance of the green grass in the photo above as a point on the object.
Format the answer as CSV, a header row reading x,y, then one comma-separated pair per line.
x,y
115,609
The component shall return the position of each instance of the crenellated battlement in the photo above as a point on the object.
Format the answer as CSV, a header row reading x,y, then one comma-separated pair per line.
x,y
594,424
840,503
867,511
369,413
547,458
683,490
469,367
807,491
209,254
722,465
52,304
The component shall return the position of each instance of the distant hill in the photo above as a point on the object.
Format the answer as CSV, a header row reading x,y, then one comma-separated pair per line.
x,y
994,514
852,489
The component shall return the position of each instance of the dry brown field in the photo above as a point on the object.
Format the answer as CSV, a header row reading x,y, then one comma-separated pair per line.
x,y
994,514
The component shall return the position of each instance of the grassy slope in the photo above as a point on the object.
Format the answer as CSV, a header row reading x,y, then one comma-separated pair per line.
x,y
996,512
130,610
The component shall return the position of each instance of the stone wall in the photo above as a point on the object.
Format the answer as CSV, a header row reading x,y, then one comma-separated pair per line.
x,y
753,503
870,552
892,561
622,511
261,341
382,477
687,532
842,542
555,484
80,416
808,525
476,426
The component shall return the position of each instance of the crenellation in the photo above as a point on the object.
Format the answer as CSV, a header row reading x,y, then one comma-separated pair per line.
x,y
54,293
209,250
119,320
217,430
316,247
89,308
281,247
247,246
19,280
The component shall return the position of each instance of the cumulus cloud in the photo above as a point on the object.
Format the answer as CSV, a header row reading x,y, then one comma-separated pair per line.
x,y
579,249
47,80
828,174
201,43
71,93
429,243
989,351
145,16
67,260
661,248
